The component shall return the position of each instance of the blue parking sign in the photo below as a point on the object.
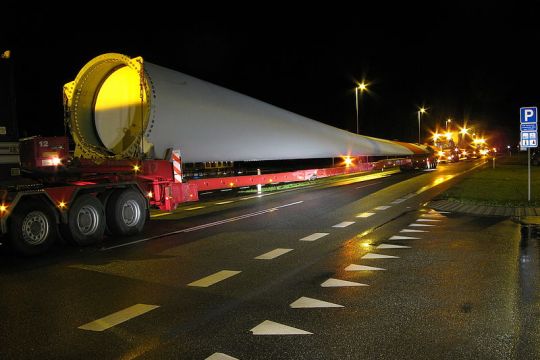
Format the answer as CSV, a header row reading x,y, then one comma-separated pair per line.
x,y
528,115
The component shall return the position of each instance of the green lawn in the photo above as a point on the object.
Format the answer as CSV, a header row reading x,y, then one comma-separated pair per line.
x,y
504,185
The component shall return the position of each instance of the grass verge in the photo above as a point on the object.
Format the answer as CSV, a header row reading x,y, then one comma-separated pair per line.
x,y
504,185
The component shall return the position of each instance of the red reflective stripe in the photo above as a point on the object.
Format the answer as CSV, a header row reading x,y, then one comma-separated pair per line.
x,y
176,157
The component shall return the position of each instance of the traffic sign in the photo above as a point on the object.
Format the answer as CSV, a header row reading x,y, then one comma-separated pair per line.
x,y
528,115
528,127
529,139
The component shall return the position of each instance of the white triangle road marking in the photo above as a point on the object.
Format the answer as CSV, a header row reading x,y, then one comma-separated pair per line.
x,y
268,327
428,220
419,225
378,256
400,237
438,212
434,216
306,302
354,267
220,356
340,283
412,230
314,236
343,224
391,246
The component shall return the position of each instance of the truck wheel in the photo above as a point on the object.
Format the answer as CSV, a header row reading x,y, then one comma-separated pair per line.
x,y
86,221
32,227
126,212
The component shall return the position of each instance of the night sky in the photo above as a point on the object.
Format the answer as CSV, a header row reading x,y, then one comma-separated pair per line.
x,y
472,63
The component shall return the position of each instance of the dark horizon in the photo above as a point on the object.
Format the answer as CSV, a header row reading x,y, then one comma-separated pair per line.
x,y
474,68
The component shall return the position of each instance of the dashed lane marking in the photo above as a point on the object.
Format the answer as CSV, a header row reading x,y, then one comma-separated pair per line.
x,y
214,278
382,207
220,356
343,224
354,267
363,186
378,256
224,202
420,225
160,214
412,231
340,283
428,220
398,201
306,302
391,246
194,208
273,254
268,327
314,236
118,317
401,237
365,215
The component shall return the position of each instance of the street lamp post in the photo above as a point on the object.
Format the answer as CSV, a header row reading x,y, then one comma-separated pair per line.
x,y
420,112
448,121
362,87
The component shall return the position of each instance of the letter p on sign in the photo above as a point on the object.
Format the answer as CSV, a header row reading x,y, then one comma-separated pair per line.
x,y
528,115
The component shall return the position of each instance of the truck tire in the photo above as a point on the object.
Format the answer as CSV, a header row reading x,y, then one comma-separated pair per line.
x,y
86,221
126,212
32,227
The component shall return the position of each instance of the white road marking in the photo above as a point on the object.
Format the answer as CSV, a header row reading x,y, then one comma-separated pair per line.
x,y
268,327
400,237
305,302
206,193
360,187
160,214
118,317
378,256
354,267
226,190
224,202
412,230
214,278
390,246
365,215
439,212
204,226
398,201
420,225
220,356
313,237
343,224
382,207
273,254
194,208
433,216
428,220
340,283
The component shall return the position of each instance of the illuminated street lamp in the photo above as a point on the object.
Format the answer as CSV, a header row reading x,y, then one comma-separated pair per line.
x,y
362,87
420,112
448,121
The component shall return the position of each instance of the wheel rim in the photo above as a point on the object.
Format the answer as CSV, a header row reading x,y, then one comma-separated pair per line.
x,y
35,228
131,213
87,220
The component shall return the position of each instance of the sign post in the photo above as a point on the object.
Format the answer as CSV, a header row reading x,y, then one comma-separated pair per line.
x,y
528,120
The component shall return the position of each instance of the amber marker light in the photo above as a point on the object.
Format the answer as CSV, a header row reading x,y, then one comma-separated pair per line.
x,y
3,208
62,205
136,168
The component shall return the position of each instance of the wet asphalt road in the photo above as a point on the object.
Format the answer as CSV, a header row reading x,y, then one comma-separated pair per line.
x,y
462,288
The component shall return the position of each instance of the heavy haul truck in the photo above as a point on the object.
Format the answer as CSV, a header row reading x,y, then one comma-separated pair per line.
x,y
128,120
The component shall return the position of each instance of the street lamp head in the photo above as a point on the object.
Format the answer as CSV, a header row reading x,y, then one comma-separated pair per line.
x,y
422,110
362,86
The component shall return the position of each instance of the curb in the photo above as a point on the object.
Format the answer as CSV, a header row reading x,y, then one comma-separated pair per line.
x,y
523,215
